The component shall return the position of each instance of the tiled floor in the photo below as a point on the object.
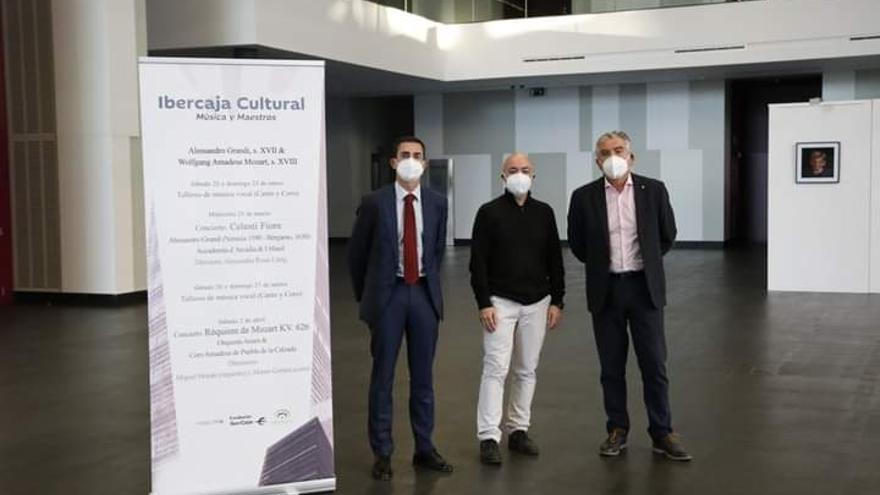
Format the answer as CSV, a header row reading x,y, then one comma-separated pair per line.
x,y
773,394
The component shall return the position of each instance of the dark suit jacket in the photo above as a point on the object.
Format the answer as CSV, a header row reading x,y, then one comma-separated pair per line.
x,y
588,235
373,255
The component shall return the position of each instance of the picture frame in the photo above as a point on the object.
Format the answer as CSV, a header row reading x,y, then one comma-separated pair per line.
x,y
817,162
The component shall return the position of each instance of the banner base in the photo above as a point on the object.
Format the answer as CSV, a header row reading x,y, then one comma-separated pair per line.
x,y
311,486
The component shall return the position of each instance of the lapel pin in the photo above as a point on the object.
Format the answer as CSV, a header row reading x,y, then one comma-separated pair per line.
x,y
643,186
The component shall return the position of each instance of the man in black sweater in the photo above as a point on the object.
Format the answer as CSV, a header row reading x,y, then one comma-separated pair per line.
x,y
518,280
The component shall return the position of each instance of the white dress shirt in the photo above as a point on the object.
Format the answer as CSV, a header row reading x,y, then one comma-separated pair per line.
x,y
400,194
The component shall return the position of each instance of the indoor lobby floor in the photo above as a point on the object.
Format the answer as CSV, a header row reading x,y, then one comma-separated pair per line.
x,y
773,393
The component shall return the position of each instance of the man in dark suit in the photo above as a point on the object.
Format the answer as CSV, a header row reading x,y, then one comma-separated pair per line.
x,y
395,251
620,226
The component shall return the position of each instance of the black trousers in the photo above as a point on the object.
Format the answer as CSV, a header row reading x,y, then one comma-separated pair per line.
x,y
628,304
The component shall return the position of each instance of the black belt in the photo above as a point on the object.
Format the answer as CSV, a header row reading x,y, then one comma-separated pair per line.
x,y
630,274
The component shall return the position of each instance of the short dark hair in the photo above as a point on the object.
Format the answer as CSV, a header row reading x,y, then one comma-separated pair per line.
x,y
406,139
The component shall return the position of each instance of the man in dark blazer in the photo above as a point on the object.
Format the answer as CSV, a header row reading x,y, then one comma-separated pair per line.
x,y
395,251
620,226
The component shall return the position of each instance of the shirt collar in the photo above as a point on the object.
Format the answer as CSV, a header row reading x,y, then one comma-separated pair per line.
x,y
401,193
629,181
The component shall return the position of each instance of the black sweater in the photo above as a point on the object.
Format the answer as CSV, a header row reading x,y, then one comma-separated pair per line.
x,y
515,252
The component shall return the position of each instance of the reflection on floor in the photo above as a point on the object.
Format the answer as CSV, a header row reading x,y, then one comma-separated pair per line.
x,y
773,393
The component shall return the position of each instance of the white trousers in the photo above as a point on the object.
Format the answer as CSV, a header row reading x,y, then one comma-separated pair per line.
x,y
519,333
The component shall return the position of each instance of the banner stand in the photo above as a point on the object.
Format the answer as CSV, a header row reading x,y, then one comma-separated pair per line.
x,y
289,489
238,276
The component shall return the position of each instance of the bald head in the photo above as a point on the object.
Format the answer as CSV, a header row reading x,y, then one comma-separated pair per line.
x,y
517,163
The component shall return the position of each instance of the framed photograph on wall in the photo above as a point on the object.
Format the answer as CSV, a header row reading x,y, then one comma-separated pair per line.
x,y
817,162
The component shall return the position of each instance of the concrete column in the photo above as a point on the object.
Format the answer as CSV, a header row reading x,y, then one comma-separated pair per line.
x,y
96,44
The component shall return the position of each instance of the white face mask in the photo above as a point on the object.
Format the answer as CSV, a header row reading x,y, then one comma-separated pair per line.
x,y
518,184
615,167
410,169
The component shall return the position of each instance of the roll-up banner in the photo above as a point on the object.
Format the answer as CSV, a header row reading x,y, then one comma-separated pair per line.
x,y
239,325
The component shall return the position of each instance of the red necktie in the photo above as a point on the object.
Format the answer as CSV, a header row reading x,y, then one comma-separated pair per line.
x,y
410,248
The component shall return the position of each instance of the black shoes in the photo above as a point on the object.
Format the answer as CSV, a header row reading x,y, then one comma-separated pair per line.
x,y
670,447
615,444
382,469
490,454
520,442
433,461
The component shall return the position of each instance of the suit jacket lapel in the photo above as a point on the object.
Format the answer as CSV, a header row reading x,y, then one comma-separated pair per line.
x,y
639,196
427,217
601,207
389,213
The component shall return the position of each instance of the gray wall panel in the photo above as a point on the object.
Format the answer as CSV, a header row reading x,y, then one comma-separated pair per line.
x,y
634,113
867,84
682,172
472,189
549,123
839,85
549,185
606,109
21,216
479,122
706,121
647,163
707,132
14,69
668,115
713,193
29,66
46,67
137,209
495,173
585,102
37,187
688,119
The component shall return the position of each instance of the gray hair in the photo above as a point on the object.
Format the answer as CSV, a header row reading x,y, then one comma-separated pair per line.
x,y
612,135
516,154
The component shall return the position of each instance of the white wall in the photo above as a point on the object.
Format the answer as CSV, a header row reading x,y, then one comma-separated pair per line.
x,y
353,31
366,34
647,39
819,235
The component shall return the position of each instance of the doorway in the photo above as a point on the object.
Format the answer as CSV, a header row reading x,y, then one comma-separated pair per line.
x,y
747,173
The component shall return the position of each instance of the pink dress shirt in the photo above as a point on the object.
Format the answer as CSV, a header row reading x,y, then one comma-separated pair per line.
x,y
623,235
